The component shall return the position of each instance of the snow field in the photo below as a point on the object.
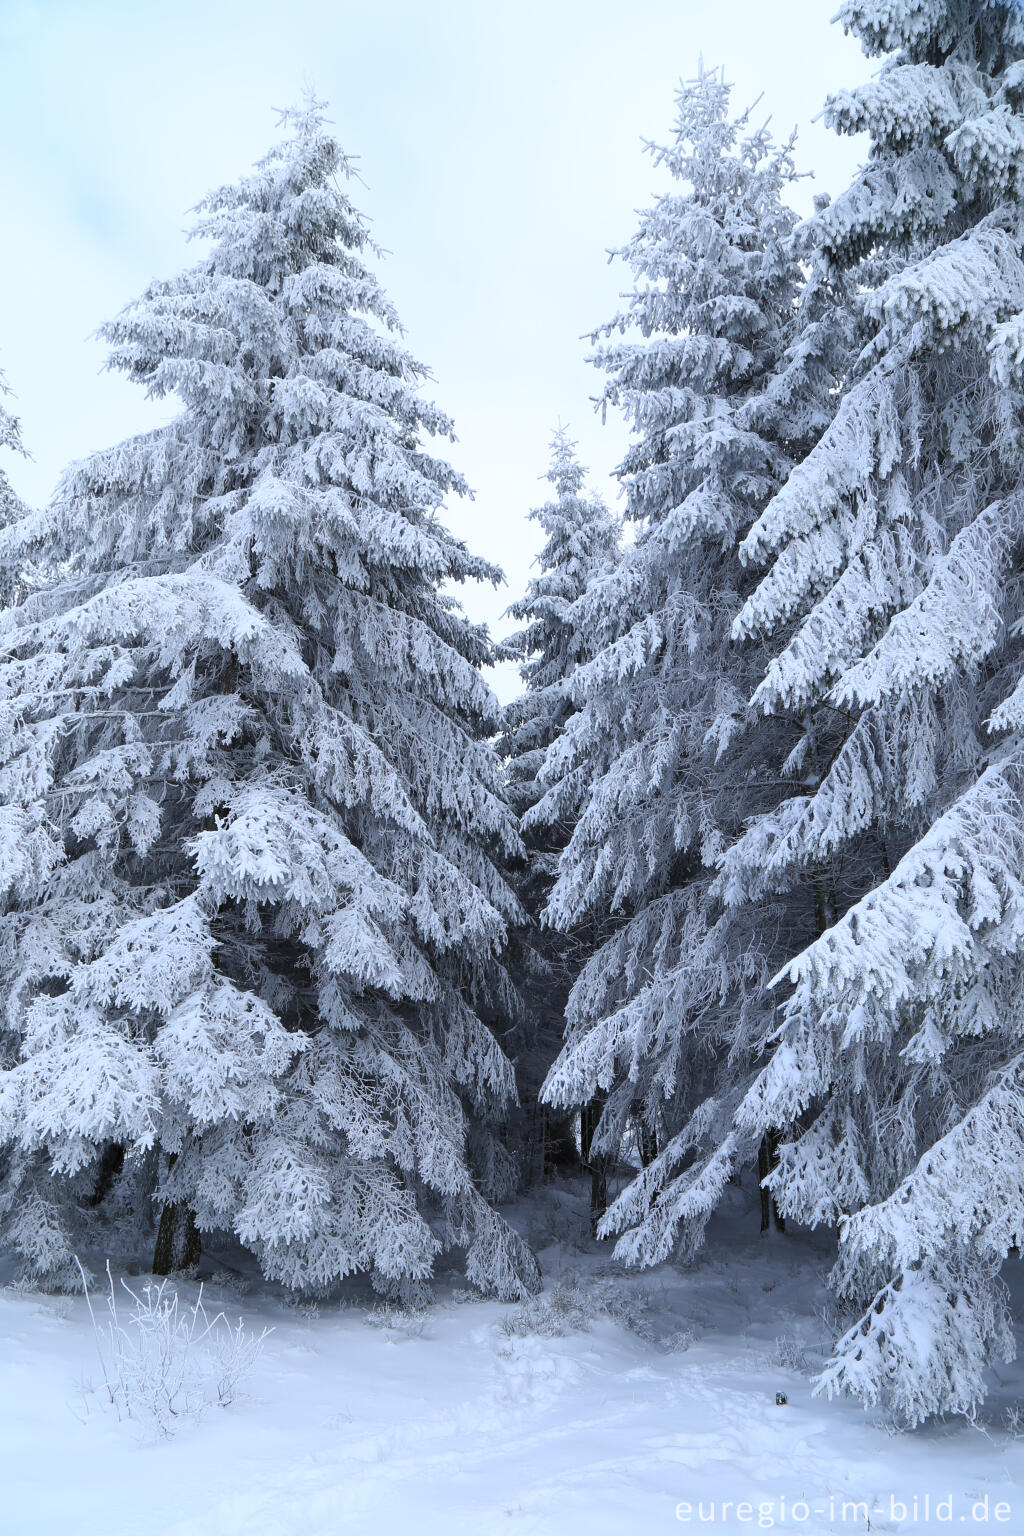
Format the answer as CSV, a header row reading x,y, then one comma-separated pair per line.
x,y
471,1417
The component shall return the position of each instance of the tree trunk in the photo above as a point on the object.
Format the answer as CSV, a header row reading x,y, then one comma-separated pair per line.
x,y
598,1192
177,1241
590,1115
111,1164
767,1159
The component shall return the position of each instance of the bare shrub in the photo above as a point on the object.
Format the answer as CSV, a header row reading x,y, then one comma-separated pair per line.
x,y
163,1361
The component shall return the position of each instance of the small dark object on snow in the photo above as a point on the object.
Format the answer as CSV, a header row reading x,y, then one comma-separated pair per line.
x,y
781,1399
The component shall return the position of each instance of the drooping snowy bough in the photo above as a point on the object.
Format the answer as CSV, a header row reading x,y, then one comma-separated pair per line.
x,y
253,837
664,760
874,599
894,598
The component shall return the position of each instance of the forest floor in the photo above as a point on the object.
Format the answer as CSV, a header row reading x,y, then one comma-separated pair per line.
x,y
604,1408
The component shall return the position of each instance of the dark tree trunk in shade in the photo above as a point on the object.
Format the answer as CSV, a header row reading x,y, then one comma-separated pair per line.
x,y
111,1164
596,1162
647,1141
767,1159
177,1241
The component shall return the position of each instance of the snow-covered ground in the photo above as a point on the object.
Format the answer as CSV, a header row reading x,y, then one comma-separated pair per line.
x,y
603,1409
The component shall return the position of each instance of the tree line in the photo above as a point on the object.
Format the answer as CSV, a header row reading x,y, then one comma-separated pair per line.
x,y
303,938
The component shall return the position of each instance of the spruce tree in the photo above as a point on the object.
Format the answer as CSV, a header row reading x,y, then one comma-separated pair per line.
x,y
581,546
669,1018
893,599
254,859
12,509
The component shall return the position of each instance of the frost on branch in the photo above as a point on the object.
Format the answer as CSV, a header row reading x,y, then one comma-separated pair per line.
x,y
724,378
255,839
581,548
888,592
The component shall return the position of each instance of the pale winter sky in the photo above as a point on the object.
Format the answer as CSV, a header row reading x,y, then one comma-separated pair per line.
x,y
501,146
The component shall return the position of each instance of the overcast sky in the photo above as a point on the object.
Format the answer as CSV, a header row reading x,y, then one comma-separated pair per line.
x,y
501,147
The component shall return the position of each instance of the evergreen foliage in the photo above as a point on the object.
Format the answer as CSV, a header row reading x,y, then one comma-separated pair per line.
x,y
581,547
749,889
253,835
668,1018
893,596
12,509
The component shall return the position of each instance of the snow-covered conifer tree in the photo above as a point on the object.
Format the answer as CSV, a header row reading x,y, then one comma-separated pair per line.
x,y
253,835
12,509
581,545
668,1014
893,599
